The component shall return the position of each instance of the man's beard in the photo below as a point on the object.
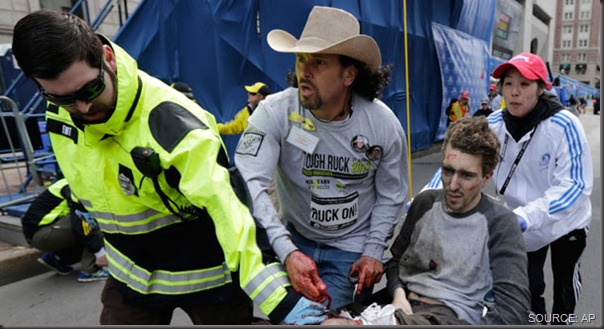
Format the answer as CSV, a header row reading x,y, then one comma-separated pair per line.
x,y
107,110
312,103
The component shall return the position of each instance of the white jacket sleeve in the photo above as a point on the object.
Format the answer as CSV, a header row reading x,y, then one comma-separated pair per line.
x,y
565,205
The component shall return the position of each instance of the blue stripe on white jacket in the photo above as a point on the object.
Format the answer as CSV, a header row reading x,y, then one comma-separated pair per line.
x,y
552,183
550,188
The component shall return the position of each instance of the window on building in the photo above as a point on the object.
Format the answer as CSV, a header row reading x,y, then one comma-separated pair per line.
x,y
585,14
568,16
586,2
582,57
565,58
569,2
567,29
582,43
583,28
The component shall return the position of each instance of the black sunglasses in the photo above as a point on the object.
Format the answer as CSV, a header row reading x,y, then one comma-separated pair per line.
x,y
87,93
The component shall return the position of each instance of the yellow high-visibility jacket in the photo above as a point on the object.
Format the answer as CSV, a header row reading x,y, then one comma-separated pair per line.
x,y
458,111
47,208
237,125
156,256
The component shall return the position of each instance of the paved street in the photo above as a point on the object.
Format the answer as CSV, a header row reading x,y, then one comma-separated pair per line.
x,y
49,299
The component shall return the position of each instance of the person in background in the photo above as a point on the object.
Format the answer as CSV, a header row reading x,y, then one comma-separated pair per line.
x,y
448,110
546,177
572,103
582,104
60,226
150,164
460,108
185,89
255,93
459,257
339,158
494,97
484,109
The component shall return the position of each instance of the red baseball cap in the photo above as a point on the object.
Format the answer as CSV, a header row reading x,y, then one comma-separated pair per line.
x,y
492,87
530,66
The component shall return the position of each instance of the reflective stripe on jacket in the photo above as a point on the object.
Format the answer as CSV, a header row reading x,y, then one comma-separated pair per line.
x,y
62,209
458,111
149,249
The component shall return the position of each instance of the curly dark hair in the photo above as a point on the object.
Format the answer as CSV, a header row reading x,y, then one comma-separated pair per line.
x,y
46,43
472,135
368,84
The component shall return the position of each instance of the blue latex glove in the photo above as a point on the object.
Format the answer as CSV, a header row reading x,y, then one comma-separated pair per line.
x,y
522,223
408,205
306,312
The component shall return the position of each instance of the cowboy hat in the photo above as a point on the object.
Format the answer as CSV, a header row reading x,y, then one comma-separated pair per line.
x,y
329,31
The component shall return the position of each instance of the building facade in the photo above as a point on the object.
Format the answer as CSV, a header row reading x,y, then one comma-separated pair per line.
x,y
577,41
523,25
11,11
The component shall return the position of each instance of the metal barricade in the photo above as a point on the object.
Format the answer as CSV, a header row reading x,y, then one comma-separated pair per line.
x,y
18,166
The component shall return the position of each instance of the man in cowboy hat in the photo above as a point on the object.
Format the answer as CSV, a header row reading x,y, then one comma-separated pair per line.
x,y
340,198
188,244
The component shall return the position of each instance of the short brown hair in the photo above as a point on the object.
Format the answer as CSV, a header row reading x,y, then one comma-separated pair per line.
x,y
472,135
46,43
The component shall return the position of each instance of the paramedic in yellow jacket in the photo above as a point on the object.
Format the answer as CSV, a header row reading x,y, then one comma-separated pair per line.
x,y
460,108
255,93
150,165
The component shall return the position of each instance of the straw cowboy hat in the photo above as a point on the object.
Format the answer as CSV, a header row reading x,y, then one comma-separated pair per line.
x,y
329,31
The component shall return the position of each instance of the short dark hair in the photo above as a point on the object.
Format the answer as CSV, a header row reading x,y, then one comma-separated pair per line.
x,y
264,91
368,84
46,43
472,135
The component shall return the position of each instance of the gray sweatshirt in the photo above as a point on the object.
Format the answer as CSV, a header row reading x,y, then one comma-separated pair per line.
x,y
459,258
343,184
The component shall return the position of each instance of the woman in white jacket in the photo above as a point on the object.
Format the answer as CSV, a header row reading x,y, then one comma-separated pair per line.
x,y
545,176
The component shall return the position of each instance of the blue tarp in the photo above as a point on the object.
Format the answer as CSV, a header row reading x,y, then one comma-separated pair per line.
x,y
218,46
576,88
464,63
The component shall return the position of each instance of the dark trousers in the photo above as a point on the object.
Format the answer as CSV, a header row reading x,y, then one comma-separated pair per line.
x,y
61,239
425,315
116,312
565,256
